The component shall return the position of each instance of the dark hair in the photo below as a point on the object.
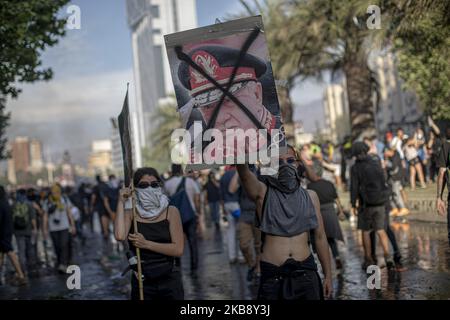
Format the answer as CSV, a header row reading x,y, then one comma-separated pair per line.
x,y
177,169
2,193
98,178
296,155
139,173
111,176
22,192
359,148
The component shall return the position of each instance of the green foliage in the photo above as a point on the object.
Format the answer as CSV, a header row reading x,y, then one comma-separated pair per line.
x,y
421,34
166,119
27,28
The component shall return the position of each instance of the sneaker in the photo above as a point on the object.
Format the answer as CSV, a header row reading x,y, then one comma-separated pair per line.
x,y
338,263
399,267
394,212
367,263
403,212
389,263
18,281
250,274
62,269
233,261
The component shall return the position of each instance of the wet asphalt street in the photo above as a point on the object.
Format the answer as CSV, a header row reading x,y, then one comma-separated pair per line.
x,y
424,248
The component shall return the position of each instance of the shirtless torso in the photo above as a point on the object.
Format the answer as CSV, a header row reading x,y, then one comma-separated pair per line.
x,y
278,249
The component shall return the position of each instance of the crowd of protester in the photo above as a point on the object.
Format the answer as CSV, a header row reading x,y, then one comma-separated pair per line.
x,y
270,223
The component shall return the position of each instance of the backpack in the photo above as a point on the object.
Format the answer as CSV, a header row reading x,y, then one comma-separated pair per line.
x,y
21,215
374,190
181,201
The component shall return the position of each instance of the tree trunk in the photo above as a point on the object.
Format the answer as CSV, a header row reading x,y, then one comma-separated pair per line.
x,y
286,111
359,95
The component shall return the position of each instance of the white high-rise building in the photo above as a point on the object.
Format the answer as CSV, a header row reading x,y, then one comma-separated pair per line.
x,y
397,107
149,21
336,112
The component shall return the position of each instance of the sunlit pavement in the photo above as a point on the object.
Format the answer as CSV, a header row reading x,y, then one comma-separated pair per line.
x,y
423,245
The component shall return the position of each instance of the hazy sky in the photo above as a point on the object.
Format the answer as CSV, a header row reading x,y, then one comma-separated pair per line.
x,y
91,68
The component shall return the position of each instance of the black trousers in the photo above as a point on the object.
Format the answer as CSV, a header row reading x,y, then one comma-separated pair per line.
x,y
290,281
61,244
169,287
190,230
448,217
391,236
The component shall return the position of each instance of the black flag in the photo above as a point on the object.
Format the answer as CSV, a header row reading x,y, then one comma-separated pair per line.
x,y
125,138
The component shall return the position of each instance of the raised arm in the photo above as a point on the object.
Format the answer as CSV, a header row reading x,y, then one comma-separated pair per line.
x,y
433,126
254,188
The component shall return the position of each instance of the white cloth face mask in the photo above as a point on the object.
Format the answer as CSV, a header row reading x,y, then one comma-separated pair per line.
x,y
150,202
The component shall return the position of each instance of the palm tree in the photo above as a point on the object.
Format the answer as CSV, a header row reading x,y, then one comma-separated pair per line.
x,y
333,36
284,66
166,120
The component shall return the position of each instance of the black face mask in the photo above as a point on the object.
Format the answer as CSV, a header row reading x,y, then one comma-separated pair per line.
x,y
288,176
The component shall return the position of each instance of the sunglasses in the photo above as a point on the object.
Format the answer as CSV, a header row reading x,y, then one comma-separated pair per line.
x,y
288,161
144,184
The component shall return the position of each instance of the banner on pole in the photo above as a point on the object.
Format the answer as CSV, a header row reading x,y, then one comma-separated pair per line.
x,y
125,138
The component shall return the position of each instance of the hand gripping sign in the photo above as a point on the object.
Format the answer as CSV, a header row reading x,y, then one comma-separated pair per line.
x,y
226,92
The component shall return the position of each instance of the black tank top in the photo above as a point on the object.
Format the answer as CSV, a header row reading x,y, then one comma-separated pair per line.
x,y
157,232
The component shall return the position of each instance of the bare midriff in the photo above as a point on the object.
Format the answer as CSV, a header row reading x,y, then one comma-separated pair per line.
x,y
277,250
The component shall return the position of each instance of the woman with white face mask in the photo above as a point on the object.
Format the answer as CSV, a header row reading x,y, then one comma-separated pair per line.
x,y
159,237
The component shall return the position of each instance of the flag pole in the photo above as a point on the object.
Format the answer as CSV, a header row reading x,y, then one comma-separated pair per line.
x,y
138,251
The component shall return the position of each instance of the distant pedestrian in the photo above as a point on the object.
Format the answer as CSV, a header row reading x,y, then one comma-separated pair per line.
x,y
61,225
249,235
444,174
98,205
188,192
25,230
212,189
232,212
393,164
369,190
330,208
6,233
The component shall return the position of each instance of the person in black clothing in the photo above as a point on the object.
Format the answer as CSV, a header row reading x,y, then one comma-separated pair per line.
x,y
98,205
111,197
159,236
6,232
444,174
394,177
368,189
248,234
330,208
212,188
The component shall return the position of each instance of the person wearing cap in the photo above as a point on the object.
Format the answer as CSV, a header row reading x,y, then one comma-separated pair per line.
x,y
369,190
219,62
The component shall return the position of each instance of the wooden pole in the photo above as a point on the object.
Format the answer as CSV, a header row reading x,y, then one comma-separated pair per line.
x,y
138,252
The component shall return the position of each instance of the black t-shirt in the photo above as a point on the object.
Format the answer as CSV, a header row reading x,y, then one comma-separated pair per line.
x,y
213,191
394,167
100,191
325,190
443,160
6,222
